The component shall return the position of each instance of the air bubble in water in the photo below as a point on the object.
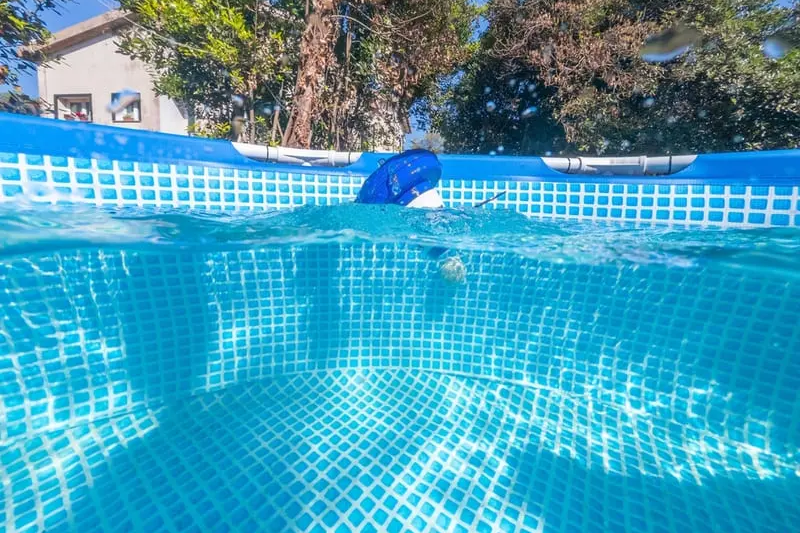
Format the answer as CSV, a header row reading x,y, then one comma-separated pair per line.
x,y
529,111
648,102
490,106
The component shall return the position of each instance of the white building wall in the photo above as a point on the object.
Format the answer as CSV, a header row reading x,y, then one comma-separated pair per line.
x,y
95,67
172,118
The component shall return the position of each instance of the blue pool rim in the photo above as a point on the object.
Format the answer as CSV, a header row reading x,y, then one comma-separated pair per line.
x,y
40,136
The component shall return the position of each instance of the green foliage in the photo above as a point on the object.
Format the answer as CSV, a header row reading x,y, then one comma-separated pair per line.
x,y
386,56
490,106
202,53
21,26
597,95
16,102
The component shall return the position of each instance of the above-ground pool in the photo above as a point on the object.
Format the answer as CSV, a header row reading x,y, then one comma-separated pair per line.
x,y
622,354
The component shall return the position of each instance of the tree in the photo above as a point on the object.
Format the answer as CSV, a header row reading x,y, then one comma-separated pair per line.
x,y
386,56
210,55
22,29
342,75
22,104
495,107
599,95
316,56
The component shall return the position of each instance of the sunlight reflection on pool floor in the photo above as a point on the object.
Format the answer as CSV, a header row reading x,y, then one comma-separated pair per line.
x,y
394,450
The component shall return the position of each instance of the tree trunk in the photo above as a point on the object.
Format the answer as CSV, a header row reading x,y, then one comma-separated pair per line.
x,y
316,53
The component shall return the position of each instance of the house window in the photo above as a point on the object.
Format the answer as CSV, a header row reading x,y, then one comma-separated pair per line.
x,y
130,112
74,107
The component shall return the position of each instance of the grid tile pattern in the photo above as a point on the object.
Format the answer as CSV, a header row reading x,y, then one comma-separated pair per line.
x,y
118,183
381,450
543,397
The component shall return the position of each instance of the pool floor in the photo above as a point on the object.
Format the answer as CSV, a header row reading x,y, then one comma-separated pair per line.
x,y
393,450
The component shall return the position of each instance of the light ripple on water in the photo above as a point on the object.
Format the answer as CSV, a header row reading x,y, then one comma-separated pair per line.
x,y
42,228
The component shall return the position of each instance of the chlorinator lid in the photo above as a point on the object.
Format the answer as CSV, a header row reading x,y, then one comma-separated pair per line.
x,y
402,179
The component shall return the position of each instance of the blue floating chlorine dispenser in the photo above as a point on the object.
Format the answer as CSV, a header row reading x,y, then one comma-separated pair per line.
x,y
409,179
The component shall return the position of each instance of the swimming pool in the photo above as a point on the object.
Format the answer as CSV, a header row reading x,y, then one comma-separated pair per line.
x,y
311,370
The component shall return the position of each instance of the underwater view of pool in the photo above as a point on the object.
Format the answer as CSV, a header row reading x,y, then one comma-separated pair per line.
x,y
319,369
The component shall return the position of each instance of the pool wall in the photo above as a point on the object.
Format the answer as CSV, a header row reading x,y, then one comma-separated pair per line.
x,y
62,162
669,373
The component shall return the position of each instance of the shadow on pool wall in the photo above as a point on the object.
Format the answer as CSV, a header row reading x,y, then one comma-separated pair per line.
x,y
91,334
687,374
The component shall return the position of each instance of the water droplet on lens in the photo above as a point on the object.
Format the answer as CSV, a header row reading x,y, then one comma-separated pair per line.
x,y
531,87
625,144
501,149
490,106
237,100
738,139
670,44
648,102
512,83
563,26
776,46
548,153
672,119
702,113
529,111
237,125
492,153
268,110
123,99
487,90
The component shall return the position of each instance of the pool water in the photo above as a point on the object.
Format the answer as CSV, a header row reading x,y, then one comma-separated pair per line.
x,y
312,370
